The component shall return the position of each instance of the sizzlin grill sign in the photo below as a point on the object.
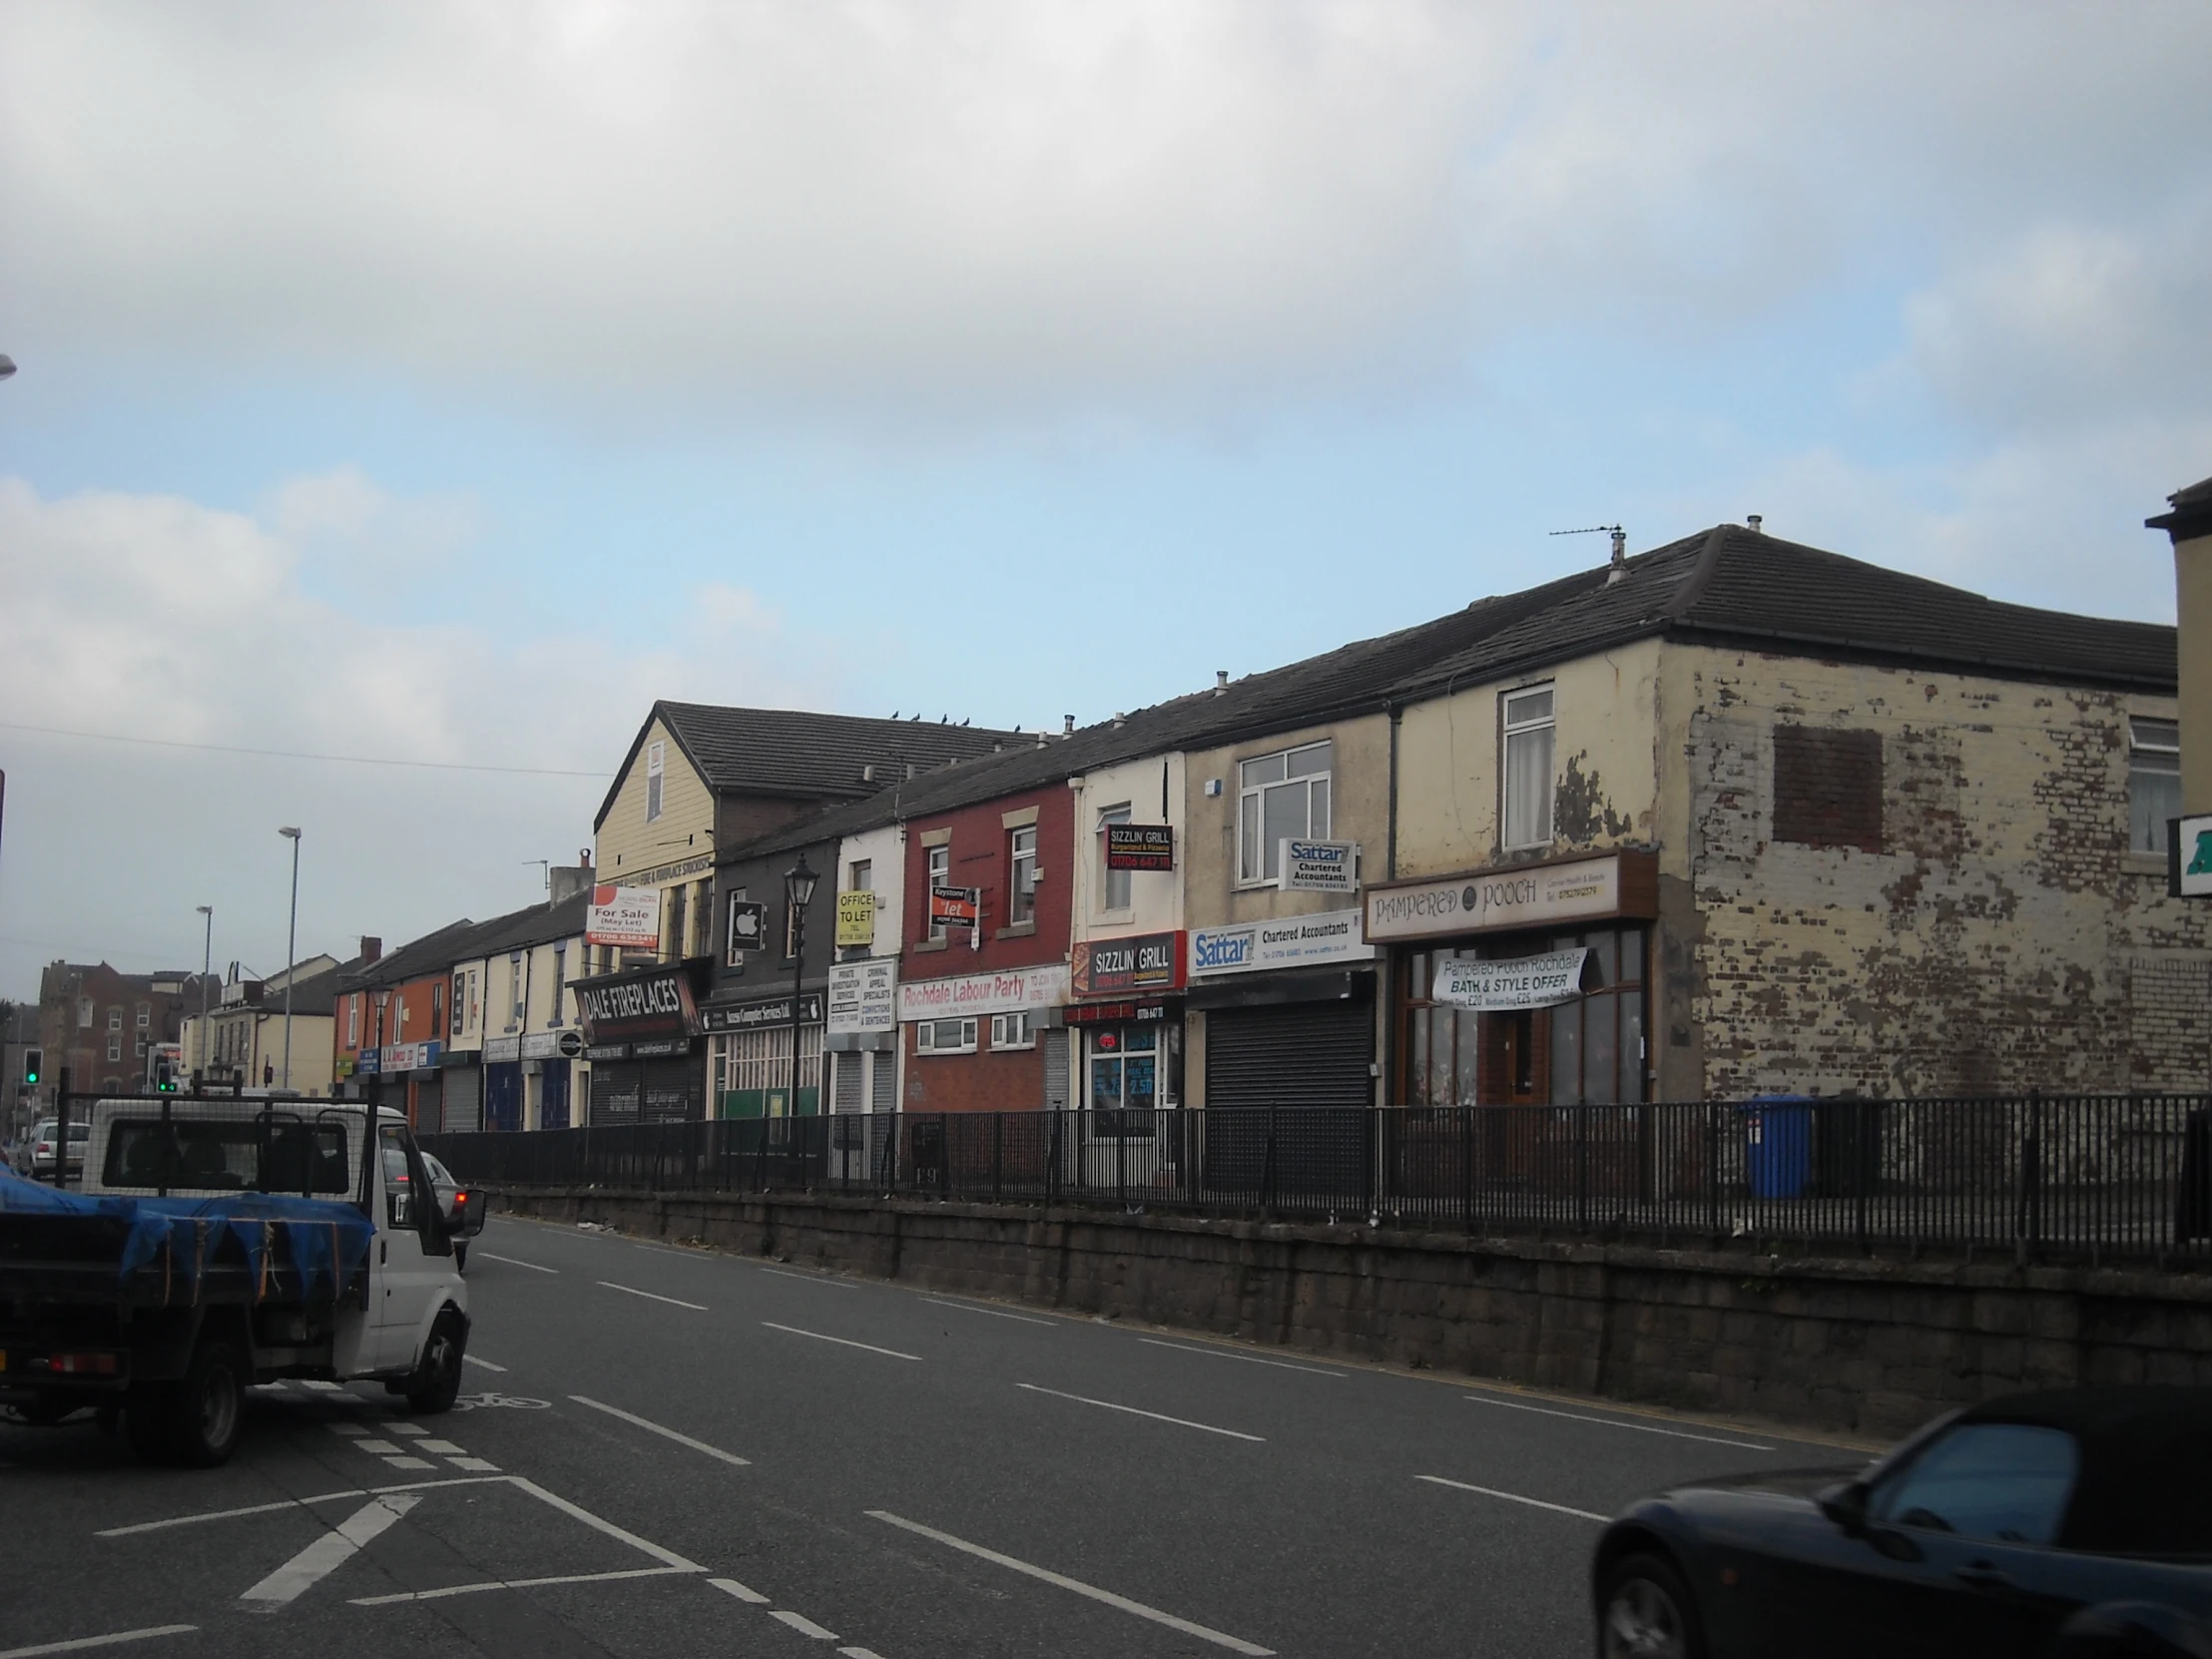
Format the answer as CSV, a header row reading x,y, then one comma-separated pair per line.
x,y
1149,962
660,1002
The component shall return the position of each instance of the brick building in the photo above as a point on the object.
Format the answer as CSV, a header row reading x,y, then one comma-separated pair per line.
x,y
100,1024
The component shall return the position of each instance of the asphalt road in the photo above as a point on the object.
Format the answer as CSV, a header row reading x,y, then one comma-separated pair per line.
x,y
669,1453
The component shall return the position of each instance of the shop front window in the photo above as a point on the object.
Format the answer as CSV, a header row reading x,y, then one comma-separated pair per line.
x,y
1587,1051
1124,1082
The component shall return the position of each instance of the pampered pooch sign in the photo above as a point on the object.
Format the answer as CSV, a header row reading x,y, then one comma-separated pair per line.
x,y
1499,987
629,916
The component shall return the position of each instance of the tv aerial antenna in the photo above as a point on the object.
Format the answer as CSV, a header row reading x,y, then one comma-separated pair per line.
x,y
1619,566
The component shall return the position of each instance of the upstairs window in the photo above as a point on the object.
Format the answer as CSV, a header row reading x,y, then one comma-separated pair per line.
x,y
145,1015
1529,738
938,862
1828,788
461,1001
1014,1030
1113,884
560,980
1021,874
515,984
115,1019
2153,782
655,757
1280,797
353,1020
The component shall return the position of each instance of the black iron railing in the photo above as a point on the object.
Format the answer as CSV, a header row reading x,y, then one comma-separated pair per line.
x,y
2040,1176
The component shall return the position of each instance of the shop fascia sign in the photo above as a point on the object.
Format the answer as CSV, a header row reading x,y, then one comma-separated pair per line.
x,y
864,996
399,1057
2189,856
1537,895
1293,942
751,1016
629,917
643,1007
537,1045
1319,866
1014,992
1145,962
1501,987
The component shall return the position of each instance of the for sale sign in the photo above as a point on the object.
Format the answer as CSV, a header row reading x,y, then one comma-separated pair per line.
x,y
627,916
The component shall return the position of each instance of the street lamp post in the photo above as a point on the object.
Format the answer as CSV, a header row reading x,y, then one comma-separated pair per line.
x,y
799,892
291,833
207,972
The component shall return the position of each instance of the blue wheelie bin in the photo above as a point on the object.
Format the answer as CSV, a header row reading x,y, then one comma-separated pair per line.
x,y
1778,1145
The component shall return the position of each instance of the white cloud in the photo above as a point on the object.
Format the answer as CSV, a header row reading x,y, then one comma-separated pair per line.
x,y
995,207
156,617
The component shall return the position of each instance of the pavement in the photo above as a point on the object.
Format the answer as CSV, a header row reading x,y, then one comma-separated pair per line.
x,y
665,1452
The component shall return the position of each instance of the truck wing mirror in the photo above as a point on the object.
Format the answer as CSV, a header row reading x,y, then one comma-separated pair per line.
x,y
471,1204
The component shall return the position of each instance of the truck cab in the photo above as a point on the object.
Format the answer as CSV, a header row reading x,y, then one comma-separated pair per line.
x,y
217,1244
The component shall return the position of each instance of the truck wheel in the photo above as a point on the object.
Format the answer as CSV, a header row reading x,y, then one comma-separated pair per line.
x,y
208,1411
436,1382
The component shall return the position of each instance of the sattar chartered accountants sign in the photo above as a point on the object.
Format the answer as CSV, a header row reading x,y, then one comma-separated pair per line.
x,y
1619,885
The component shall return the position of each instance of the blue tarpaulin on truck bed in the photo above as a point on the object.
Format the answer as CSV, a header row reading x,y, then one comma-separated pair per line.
x,y
325,1241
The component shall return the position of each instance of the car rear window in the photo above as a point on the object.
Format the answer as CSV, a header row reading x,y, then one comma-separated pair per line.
x,y
228,1155
2008,1483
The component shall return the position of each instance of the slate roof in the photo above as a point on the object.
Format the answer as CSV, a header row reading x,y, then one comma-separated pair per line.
x,y
519,930
432,954
794,752
1727,585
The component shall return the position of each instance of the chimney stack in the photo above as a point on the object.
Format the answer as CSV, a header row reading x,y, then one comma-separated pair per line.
x,y
1756,520
1221,681
372,949
565,881
1619,567
1067,726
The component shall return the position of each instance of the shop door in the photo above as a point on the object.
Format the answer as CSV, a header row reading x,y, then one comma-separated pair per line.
x,y
1121,1096
503,1096
614,1093
553,1109
674,1090
464,1100
430,1106
1516,1048
1296,1072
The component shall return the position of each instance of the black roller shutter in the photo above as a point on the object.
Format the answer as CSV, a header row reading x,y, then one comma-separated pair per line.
x,y
674,1090
1287,1103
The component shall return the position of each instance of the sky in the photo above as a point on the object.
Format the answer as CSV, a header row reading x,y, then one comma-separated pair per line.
x,y
441,383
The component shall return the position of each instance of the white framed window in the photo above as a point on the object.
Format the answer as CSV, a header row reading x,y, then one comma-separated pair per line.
x,y
1280,797
2153,782
939,862
1113,884
353,1020
145,1015
1014,1030
861,875
1528,737
560,982
656,763
115,1047
515,983
945,1036
84,1013
1021,874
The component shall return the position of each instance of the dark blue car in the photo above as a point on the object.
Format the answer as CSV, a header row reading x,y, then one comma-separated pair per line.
x,y
2075,1525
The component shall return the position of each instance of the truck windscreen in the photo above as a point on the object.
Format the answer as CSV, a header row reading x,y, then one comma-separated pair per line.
x,y
247,1154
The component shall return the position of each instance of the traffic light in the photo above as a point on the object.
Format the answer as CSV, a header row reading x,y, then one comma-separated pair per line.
x,y
165,1075
34,1062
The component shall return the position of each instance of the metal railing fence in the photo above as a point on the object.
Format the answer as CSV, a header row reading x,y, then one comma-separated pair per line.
x,y
2041,1176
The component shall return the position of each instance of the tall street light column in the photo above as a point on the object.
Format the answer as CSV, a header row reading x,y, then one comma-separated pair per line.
x,y
799,892
291,833
207,972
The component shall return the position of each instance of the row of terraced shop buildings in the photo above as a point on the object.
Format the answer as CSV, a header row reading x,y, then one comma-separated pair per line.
x,y
1729,816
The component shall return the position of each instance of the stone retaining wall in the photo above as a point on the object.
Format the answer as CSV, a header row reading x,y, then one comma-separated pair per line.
x,y
1871,1348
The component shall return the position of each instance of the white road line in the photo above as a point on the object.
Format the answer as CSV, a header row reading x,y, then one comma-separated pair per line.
x,y
1248,1359
811,1278
668,1556
320,1388
383,1449
413,1431
409,1463
665,1434
1514,1497
804,1625
513,1263
1183,1423
1234,1643
842,1342
328,1553
478,1464
1615,1422
995,1312
225,1514
731,1586
80,1643
345,1429
858,1653
441,1448
651,1297
517,1584
487,1363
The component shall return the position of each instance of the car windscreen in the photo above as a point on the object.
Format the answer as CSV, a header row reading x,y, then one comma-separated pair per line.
x,y
282,1154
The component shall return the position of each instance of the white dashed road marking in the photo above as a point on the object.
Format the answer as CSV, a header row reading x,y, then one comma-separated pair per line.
x,y
81,1643
1135,1412
731,1586
665,1434
1235,1644
995,1312
1248,1359
1615,1422
1513,1497
842,1342
650,1295
513,1263
804,1625
487,1363
518,1584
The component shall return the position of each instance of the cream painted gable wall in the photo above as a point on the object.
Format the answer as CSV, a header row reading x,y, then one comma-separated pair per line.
x,y
1360,811
885,851
1605,756
628,845
1155,896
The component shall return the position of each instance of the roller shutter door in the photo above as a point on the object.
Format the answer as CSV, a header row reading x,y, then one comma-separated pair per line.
x,y
1055,1070
464,1100
429,1105
1308,1061
674,1090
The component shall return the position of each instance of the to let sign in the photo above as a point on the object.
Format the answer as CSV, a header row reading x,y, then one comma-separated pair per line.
x,y
955,906
2189,856
856,919
1140,847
